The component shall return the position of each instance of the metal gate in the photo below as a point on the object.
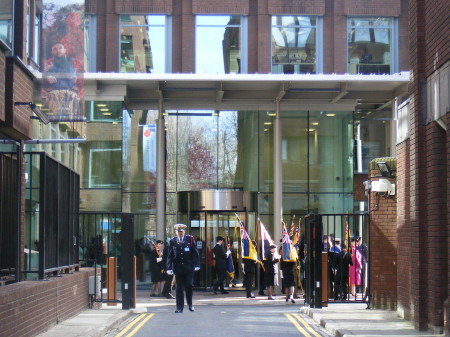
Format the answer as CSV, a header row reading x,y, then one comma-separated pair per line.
x,y
337,259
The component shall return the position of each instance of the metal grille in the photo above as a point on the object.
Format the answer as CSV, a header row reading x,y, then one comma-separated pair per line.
x,y
8,216
328,278
57,194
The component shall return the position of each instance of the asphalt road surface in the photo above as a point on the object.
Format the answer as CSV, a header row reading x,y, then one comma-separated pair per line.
x,y
217,321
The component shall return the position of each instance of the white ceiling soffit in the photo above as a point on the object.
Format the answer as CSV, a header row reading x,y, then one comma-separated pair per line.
x,y
247,91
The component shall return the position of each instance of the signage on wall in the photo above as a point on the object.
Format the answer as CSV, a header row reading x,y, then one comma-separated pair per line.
x,y
62,87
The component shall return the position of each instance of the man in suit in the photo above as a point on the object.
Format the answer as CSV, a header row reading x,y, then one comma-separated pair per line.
x,y
220,256
183,259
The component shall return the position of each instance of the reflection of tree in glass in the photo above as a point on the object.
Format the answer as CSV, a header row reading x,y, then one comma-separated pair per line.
x,y
201,164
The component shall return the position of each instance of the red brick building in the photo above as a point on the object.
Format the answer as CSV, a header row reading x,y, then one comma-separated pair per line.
x,y
409,230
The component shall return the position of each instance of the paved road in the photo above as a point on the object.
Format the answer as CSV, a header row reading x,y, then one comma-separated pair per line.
x,y
218,321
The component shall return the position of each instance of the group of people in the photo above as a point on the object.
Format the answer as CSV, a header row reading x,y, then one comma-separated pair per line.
x,y
346,266
180,259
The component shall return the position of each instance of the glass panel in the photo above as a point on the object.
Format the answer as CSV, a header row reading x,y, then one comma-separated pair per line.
x,y
104,111
142,43
218,38
6,22
294,44
295,133
331,158
369,45
266,152
196,148
372,138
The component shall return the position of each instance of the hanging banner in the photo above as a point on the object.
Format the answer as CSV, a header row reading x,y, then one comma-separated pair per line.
x,y
62,90
149,149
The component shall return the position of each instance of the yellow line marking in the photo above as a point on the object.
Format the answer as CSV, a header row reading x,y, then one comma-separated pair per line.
x,y
299,328
140,325
306,325
130,325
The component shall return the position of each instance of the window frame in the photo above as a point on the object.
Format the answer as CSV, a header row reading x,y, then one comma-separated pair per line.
x,y
243,35
167,37
318,39
394,47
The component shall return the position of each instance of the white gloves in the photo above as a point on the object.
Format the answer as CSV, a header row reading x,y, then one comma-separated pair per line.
x,y
196,268
243,271
169,272
158,259
228,252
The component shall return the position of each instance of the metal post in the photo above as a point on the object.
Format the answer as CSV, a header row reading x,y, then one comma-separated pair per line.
x,y
277,177
160,173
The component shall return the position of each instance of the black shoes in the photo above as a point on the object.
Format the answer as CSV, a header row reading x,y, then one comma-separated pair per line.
x,y
169,296
251,296
191,308
224,292
215,291
179,311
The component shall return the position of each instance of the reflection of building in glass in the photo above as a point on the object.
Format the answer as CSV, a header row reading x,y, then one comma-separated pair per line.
x,y
369,45
135,47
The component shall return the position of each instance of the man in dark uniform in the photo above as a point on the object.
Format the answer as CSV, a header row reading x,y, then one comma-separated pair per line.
x,y
183,259
220,256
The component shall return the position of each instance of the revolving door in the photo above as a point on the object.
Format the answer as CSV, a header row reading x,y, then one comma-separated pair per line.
x,y
212,213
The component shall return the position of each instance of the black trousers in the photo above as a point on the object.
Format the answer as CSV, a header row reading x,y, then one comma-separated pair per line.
x,y
248,282
167,289
184,283
221,274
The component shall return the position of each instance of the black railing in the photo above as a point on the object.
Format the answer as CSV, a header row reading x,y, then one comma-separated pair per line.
x,y
52,207
325,237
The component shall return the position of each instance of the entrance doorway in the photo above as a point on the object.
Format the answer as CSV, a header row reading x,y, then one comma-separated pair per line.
x,y
213,213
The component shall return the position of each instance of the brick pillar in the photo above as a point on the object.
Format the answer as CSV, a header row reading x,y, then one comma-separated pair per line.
x,y
383,243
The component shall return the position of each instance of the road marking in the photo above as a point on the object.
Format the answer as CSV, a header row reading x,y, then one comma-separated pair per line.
x,y
299,327
143,318
306,325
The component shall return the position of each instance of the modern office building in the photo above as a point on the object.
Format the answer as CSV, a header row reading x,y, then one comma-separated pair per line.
x,y
194,111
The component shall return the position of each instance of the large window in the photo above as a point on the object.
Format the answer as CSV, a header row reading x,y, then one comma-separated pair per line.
x,y
220,37
143,43
370,45
6,22
294,44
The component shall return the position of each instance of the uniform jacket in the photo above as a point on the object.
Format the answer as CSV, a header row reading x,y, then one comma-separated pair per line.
x,y
220,256
183,256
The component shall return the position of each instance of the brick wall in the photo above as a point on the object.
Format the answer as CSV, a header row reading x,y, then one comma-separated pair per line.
x,y
19,89
383,248
31,307
423,159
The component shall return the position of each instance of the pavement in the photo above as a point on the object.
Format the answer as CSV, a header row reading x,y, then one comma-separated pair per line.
x,y
339,319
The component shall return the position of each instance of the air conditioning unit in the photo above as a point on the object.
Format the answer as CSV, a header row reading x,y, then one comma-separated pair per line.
x,y
95,285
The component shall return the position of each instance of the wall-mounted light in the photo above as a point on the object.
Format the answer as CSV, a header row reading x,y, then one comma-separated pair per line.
x,y
33,107
385,170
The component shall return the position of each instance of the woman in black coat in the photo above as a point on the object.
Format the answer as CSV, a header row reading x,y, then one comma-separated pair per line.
x,y
156,269
270,264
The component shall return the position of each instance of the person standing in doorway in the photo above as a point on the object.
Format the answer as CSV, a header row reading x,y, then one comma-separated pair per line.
x,y
220,257
183,259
